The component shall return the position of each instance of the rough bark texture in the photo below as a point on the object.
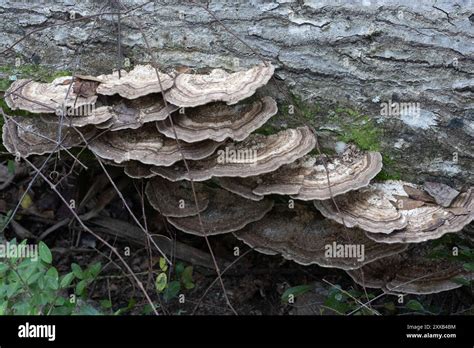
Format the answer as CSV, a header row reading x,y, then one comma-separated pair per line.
x,y
357,54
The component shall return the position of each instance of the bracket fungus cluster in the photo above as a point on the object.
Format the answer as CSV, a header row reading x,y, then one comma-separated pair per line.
x,y
390,214
411,272
192,137
301,235
38,98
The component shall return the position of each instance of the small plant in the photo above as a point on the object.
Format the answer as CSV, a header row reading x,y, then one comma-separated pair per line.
x,y
32,286
171,288
344,302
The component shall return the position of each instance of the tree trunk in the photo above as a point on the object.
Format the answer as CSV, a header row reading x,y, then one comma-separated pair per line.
x,y
341,53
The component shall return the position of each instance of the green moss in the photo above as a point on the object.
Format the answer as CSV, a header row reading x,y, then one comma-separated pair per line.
x,y
26,71
365,137
356,128
387,175
10,112
267,129
302,110
33,71
388,172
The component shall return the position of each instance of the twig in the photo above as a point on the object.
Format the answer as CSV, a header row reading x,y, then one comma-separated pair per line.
x,y
113,249
150,52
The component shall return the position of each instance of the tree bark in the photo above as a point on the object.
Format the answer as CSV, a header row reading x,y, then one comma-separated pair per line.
x,y
356,54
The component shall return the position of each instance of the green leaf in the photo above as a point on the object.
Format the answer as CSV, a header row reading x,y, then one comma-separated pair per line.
x,y
187,278
295,291
163,264
462,281
469,266
147,309
77,271
415,306
45,253
13,288
106,304
66,280
171,290
80,287
3,308
189,286
94,270
60,301
21,308
11,167
161,282
88,310
52,278
179,269
34,278
63,310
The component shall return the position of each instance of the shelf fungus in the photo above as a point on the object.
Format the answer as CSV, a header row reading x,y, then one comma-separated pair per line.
x,y
386,211
241,186
132,114
411,272
147,146
77,121
138,170
192,90
24,136
176,199
37,97
218,121
307,179
442,193
255,155
430,221
300,234
140,81
368,208
225,213
85,86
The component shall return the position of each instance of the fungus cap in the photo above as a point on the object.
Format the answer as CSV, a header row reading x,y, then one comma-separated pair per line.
x,y
192,90
26,136
307,179
176,199
225,213
300,234
218,121
140,81
411,272
38,97
255,155
147,146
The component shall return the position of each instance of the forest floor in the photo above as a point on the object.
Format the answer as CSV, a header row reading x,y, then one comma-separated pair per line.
x,y
255,284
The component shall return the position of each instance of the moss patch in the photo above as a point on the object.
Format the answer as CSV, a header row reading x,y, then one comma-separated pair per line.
x,y
25,71
348,125
388,172
267,129
33,71
300,110
356,128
